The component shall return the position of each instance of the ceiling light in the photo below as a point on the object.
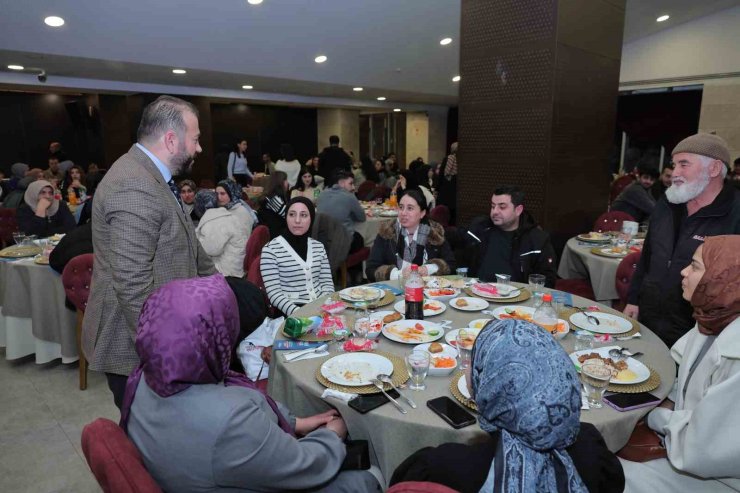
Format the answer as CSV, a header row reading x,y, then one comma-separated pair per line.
x,y
663,18
320,59
54,21
357,89
178,71
456,78
254,2
247,87
15,67
381,98
397,110
445,41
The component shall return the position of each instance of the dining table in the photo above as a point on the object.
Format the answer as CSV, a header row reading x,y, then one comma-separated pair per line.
x,y
375,215
393,436
33,315
578,262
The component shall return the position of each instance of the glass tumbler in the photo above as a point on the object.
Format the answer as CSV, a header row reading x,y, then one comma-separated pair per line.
x,y
417,364
595,378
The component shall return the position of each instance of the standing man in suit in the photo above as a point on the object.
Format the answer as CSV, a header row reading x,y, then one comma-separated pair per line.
x,y
141,236
332,160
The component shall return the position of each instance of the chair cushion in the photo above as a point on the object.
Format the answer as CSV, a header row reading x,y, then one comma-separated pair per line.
x,y
441,214
259,237
419,487
76,278
578,287
358,257
114,460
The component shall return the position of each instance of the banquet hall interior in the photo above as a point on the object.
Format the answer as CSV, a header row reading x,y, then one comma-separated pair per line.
x,y
571,110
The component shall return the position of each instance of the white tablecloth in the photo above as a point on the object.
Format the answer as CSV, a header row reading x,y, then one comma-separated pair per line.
x,y
579,263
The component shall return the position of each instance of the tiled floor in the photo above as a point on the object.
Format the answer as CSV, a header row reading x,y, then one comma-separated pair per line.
x,y
42,412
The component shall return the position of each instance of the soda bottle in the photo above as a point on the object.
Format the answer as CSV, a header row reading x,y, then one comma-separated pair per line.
x,y
297,326
414,295
545,315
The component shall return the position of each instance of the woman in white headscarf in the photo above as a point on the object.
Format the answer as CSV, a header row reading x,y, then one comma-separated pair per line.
x,y
42,214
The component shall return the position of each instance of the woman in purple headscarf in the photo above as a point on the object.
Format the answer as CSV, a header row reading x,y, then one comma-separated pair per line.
x,y
202,427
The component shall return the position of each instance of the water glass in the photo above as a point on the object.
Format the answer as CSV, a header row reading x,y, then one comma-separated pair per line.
x,y
504,279
417,363
537,282
462,272
584,340
595,378
18,237
464,342
29,240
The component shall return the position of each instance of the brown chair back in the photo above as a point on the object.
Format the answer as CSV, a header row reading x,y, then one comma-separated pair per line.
x,y
611,221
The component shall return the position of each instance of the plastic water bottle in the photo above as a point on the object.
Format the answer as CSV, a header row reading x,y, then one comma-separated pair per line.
x,y
414,295
545,315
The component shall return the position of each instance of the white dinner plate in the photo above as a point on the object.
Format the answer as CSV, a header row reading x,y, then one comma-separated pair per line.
x,y
505,291
607,252
389,214
608,323
451,336
594,237
355,369
441,294
479,323
506,310
435,307
361,294
462,386
405,331
447,352
469,304
641,371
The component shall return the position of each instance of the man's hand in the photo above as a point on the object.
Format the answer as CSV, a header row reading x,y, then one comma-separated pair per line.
x,y
304,426
266,354
42,206
338,426
632,311
422,271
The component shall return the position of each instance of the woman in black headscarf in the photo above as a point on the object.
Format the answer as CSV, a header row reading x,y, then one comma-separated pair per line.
x,y
295,267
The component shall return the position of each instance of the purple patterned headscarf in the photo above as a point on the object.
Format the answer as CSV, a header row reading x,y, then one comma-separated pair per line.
x,y
186,331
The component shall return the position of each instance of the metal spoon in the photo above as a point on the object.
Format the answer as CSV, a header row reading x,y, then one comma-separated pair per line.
x,y
379,384
619,353
589,317
387,379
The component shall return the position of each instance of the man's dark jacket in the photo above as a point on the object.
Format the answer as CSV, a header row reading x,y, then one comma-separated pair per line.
x,y
672,239
331,159
527,238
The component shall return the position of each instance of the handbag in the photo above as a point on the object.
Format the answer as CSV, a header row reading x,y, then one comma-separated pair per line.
x,y
643,445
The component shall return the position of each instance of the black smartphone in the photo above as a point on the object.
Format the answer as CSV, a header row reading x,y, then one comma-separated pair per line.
x,y
365,403
452,412
358,456
628,402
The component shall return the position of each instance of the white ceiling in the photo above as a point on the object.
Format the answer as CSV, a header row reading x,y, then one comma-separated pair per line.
x,y
389,47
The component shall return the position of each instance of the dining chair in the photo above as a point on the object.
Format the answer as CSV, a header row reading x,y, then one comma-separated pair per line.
x,y
76,278
441,214
578,287
611,221
259,237
114,460
366,190
419,487
352,260
618,186
8,226
625,270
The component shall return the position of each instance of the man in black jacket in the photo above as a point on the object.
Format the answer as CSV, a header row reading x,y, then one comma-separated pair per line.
x,y
509,242
636,200
331,160
698,204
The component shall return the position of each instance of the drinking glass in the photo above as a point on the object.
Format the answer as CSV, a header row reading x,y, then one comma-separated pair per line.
x,y
595,378
504,279
464,341
361,324
463,273
537,285
584,340
29,240
417,363
18,237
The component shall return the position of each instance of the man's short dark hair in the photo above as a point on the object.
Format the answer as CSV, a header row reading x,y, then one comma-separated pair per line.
x,y
344,174
737,162
670,165
161,115
334,140
55,156
517,196
651,172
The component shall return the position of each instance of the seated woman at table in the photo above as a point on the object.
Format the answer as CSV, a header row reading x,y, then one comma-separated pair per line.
x,y
187,194
202,427
74,180
294,266
272,206
306,186
41,214
407,180
529,400
699,421
224,229
411,239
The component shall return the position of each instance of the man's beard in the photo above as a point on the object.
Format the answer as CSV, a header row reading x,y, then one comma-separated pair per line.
x,y
689,190
182,162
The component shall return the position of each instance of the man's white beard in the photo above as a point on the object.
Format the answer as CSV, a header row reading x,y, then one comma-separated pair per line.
x,y
688,191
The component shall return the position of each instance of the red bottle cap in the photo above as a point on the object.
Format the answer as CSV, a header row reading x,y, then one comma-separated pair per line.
x,y
414,267
547,297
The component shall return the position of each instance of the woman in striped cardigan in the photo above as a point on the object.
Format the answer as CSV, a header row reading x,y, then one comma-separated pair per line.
x,y
294,267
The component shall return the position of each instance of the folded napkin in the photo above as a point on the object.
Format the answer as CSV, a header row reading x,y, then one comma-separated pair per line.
x,y
337,394
283,345
386,287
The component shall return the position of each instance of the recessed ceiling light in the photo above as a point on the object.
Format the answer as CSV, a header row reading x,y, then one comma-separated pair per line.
x,y
456,78
663,18
320,59
15,67
247,87
381,98
179,71
445,41
357,89
254,2
54,21
397,110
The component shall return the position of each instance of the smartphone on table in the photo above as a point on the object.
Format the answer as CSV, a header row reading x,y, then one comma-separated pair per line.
x,y
628,402
452,412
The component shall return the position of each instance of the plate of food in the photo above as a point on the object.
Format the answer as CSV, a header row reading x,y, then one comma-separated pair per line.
x,y
41,260
479,323
20,251
361,294
469,304
413,331
515,312
355,369
624,372
612,252
495,290
431,307
389,213
441,293
594,237
451,336
443,359
608,323
436,282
